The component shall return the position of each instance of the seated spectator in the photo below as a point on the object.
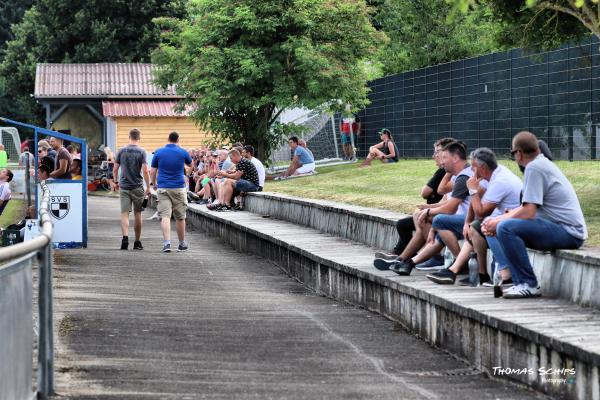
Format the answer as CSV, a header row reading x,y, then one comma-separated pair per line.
x,y
6,176
549,217
429,192
303,162
243,179
448,215
302,143
76,169
248,154
48,163
386,150
494,189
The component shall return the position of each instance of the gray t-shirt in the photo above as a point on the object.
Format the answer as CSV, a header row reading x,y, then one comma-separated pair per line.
x,y
546,186
131,158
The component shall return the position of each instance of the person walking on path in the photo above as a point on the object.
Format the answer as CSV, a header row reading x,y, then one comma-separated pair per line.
x,y
169,165
134,171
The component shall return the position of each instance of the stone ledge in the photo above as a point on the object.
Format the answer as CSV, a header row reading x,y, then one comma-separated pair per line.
x,y
568,274
456,318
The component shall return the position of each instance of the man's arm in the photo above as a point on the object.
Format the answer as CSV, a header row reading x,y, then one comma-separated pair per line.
x,y
294,165
236,175
146,176
116,169
153,172
445,185
62,169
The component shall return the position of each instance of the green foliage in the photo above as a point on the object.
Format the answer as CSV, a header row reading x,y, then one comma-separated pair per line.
x,y
77,31
421,34
536,24
238,63
11,12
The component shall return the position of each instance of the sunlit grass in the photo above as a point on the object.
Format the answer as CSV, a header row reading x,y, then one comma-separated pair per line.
x,y
397,186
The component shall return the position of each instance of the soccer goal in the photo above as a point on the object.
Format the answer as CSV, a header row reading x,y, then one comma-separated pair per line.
x,y
320,131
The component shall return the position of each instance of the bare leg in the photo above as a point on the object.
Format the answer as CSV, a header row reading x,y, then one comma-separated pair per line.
x,y
427,252
137,224
480,247
462,258
180,227
450,241
165,226
125,224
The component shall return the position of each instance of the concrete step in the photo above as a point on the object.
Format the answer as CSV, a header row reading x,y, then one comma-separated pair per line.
x,y
572,275
529,336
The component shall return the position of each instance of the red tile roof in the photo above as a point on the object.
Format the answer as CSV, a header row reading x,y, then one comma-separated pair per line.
x,y
106,80
141,109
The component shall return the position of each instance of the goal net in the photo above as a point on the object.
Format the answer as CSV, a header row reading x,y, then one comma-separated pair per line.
x,y
320,131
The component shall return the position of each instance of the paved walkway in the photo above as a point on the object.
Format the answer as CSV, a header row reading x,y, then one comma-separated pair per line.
x,y
213,323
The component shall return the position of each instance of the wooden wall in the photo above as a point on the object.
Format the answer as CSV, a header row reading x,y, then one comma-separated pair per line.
x,y
155,131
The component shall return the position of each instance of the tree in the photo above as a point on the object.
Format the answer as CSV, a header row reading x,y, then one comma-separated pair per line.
x,y
78,31
239,63
542,24
422,35
11,12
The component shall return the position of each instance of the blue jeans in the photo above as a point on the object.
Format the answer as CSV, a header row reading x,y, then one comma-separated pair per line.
x,y
516,235
497,251
449,222
243,185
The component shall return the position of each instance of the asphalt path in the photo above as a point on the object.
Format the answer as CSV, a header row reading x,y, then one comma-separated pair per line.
x,y
217,324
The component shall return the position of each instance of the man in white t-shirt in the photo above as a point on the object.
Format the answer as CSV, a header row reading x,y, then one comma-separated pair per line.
x,y
248,153
494,189
6,176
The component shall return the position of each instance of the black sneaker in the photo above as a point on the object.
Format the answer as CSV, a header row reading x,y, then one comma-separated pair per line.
x,y
137,245
443,277
383,265
403,268
124,244
386,256
183,247
167,248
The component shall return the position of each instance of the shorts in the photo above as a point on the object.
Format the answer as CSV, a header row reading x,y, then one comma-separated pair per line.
x,y
129,197
243,185
306,168
390,160
346,138
172,201
449,222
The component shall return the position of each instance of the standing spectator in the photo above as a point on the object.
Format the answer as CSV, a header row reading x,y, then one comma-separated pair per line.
x,y
134,171
168,170
46,150
549,217
248,154
26,158
386,150
74,152
62,163
302,162
3,157
349,132
6,176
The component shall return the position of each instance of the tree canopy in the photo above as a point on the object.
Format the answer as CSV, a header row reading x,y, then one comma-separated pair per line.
x,y
77,31
239,63
11,12
421,34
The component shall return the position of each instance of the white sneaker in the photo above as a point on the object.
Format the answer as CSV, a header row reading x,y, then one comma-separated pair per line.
x,y
153,218
522,291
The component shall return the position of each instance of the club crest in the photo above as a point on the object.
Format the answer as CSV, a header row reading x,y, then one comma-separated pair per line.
x,y
59,206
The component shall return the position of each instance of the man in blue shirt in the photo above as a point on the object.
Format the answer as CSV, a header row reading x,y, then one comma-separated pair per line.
x,y
169,165
303,162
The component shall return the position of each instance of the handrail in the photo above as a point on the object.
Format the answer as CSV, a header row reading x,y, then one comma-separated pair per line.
x,y
37,243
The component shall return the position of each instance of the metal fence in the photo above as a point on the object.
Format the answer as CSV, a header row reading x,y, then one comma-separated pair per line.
x,y
16,314
485,100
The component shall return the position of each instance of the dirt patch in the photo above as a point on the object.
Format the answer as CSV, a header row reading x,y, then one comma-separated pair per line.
x,y
66,326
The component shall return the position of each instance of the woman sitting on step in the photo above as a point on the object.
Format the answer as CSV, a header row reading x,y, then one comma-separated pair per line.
x,y
386,150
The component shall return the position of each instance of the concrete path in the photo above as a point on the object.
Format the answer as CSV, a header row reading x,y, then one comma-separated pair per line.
x,y
213,323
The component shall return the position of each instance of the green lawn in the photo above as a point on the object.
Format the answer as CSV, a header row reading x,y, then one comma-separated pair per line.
x,y
397,186
14,212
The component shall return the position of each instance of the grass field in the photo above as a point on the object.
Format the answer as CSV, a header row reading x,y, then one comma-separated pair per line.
x,y
397,186
14,212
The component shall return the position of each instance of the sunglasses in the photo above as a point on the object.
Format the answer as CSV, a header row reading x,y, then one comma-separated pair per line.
x,y
512,154
40,151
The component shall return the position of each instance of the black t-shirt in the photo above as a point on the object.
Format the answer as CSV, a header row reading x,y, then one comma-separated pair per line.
x,y
250,174
434,183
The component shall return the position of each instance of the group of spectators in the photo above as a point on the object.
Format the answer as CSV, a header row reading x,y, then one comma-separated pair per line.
x,y
486,206
58,162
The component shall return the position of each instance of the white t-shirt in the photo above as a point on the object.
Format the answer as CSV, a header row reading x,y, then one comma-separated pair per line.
x,y
5,192
260,168
504,190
